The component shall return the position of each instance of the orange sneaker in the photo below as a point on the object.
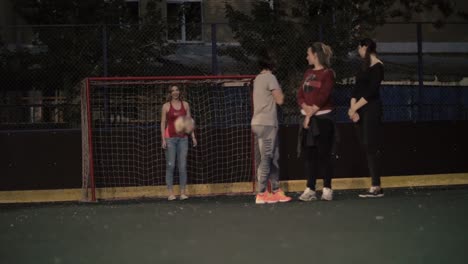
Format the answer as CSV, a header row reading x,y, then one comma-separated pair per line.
x,y
280,196
265,197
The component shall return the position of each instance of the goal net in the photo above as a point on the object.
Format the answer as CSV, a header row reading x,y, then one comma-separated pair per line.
x,y
121,135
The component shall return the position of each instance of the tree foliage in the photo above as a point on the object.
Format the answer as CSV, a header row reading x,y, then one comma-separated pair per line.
x,y
287,29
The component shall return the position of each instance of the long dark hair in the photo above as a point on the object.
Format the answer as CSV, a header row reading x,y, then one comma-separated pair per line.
x,y
324,53
169,93
265,61
371,49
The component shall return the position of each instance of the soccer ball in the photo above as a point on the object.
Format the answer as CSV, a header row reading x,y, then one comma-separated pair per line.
x,y
189,125
179,125
184,124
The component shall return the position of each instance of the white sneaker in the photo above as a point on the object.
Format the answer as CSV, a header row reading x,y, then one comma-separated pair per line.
x,y
183,197
327,194
171,198
373,192
308,195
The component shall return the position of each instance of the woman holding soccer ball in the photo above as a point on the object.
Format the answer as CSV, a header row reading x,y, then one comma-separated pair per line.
x,y
176,126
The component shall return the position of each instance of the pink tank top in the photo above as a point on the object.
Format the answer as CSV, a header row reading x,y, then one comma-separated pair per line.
x,y
171,117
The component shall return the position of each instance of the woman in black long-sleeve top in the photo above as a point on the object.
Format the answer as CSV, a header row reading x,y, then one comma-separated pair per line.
x,y
366,110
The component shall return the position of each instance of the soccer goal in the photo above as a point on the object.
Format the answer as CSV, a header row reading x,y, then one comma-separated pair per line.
x,y
121,138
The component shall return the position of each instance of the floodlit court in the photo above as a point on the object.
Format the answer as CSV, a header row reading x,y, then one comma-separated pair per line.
x,y
409,225
233,132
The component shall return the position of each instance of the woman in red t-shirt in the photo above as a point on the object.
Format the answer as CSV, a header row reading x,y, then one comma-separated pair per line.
x,y
175,144
318,129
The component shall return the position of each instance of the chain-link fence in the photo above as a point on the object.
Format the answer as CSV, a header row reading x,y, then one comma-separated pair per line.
x,y
41,66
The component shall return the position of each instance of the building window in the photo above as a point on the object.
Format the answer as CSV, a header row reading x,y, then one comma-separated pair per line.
x,y
184,19
133,10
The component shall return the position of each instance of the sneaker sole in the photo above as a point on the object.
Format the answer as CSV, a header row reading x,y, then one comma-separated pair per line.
x,y
308,200
324,199
263,202
371,196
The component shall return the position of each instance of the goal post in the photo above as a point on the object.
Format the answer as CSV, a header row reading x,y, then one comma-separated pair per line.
x,y
122,155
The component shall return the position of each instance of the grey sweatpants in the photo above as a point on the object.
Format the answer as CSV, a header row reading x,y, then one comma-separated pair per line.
x,y
267,157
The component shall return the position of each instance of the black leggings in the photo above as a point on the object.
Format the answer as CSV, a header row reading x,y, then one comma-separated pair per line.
x,y
368,131
318,160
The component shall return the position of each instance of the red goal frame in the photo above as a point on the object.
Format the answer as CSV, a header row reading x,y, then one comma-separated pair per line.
x,y
177,79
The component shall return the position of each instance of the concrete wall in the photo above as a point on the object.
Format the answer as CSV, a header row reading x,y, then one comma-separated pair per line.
x,y
213,11
446,38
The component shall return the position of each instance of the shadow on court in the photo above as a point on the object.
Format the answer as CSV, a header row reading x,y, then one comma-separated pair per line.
x,y
407,226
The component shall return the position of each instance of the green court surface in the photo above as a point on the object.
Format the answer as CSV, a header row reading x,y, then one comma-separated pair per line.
x,y
407,226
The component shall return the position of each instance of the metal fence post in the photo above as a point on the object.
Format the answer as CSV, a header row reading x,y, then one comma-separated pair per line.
x,y
420,70
105,73
105,60
214,50
320,33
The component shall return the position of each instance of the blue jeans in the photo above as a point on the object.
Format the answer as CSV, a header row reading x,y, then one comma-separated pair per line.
x,y
267,149
176,147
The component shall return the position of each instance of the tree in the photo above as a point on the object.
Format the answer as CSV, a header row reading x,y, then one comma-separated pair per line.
x,y
81,38
290,26
94,27
285,28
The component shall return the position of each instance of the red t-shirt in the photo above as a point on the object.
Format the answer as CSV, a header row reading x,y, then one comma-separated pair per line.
x,y
316,89
171,117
